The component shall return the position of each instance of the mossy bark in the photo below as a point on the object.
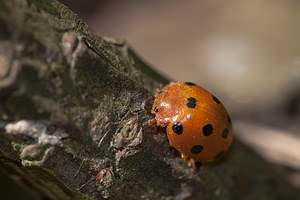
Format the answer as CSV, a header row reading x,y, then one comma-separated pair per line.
x,y
74,109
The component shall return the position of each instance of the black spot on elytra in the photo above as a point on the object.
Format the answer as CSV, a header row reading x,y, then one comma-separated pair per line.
x,y
225,133
191,102
156,109
219,154
177,128
207,129
196,149
190,83
229,119
216,99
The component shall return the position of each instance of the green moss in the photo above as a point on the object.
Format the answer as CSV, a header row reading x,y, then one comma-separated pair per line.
x,y
28,163
53,186
3,7
43,181
253,197
18,146
53,66
47,6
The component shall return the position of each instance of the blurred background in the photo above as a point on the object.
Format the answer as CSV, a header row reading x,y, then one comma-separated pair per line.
x,y
245,52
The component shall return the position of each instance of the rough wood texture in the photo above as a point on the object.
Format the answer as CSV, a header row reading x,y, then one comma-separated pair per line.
x,y
74,109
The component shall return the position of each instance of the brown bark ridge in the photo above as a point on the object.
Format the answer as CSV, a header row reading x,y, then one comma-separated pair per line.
x,y
74,109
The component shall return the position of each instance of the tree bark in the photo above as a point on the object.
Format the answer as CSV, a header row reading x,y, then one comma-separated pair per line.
x,y
74,109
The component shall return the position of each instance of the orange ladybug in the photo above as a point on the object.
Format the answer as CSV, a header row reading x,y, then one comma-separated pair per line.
x,y
198,125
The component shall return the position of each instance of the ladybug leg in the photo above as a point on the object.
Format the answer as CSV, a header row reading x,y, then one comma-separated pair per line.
x,y
157,91
195,165
184,157
153,121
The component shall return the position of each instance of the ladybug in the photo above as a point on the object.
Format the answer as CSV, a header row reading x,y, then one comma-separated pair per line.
x,y
198,125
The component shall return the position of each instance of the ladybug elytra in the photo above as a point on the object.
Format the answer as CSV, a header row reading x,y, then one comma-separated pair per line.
x,y
198,125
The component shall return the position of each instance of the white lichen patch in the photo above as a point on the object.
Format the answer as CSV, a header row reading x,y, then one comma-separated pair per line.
x,y
49,139
43,145
35,130
26,127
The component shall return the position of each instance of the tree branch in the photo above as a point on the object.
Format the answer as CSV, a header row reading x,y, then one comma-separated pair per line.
x,y
74,109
